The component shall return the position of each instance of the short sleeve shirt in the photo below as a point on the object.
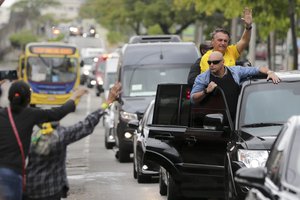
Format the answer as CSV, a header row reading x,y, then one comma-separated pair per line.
x,y
230,56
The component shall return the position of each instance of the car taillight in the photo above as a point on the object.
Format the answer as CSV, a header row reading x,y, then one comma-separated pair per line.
x,y
188,94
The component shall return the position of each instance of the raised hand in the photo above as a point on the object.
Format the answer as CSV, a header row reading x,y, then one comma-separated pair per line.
x,y
247,18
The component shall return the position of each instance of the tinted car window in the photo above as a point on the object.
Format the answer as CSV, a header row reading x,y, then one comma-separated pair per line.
x,y
167,111
166,53
142,80
269,103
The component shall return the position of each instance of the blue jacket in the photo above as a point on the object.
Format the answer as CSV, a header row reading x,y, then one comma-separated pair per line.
x,y
238,73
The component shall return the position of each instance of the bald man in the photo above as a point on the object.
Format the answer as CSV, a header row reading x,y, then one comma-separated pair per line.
x,y
227,78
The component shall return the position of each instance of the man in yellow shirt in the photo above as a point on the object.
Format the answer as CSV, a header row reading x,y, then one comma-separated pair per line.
x,y
220,42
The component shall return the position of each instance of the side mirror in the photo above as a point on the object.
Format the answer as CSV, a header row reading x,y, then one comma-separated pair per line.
x,y
254,178
214,121
249,176
133,124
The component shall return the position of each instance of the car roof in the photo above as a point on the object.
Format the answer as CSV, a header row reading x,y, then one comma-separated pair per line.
x,y
289,75
293,75
154,38
172,52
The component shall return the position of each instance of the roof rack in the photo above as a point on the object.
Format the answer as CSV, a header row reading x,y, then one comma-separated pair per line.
x,y
154,38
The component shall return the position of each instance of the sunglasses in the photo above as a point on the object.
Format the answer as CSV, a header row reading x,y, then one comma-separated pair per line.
x,y
213,62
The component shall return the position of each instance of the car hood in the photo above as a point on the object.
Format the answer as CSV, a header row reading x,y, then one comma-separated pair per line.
x,y
259,137
136,104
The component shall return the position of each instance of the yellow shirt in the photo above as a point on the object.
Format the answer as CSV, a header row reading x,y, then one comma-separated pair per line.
x,y
230,56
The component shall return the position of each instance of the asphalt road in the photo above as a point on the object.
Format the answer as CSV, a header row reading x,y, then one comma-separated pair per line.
x,y
93,171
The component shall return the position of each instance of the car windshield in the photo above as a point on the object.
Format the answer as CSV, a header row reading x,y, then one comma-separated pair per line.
x,y
142,80
269,104
88,60
51,69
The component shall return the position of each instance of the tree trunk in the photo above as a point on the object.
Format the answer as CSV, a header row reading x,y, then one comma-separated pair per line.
x,y
271,50
294,37
233,38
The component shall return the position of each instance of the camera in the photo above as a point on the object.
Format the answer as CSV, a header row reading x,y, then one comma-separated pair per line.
x,y
8,74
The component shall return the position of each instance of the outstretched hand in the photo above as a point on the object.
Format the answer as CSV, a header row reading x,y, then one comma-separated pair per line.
x,y
114,92
247,18
79,92
274,78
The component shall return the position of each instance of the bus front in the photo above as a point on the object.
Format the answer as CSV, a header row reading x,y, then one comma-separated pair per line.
x,y
52,73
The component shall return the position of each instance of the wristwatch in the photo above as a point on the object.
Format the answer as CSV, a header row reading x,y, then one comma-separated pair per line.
x,y
248,27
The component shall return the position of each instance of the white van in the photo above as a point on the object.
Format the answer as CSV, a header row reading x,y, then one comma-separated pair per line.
x,y
110,77
110,74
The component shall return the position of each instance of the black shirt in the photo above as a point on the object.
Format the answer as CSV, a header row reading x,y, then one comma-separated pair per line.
x,y
230,88
10,155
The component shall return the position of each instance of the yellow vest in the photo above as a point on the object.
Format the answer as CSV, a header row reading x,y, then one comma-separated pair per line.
x,y
230,56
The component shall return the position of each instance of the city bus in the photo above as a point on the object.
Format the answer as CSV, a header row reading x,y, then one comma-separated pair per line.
x,y
52,70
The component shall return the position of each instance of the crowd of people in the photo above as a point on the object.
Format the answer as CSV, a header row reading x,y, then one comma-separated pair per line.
x,y
44,177
38,180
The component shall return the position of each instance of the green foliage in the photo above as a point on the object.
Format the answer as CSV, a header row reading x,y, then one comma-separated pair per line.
x,y
34,5
268,15
115,37
154,30
139,15
173,16
20,39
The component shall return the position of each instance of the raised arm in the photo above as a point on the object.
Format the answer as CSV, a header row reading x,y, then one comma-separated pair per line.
x,y
245,39
85,127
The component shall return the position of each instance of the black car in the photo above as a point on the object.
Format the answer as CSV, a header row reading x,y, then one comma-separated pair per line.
x,y
143,170
200,148
141,67
280,178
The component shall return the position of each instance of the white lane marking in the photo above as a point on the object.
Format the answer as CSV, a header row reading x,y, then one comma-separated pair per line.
x,y
93,176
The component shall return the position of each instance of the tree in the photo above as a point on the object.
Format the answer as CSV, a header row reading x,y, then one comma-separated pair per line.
x,y
276,16
33,7
140,15
32,10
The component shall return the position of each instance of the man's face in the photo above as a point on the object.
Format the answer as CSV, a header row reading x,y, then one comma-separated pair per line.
x,y
220,42
215,63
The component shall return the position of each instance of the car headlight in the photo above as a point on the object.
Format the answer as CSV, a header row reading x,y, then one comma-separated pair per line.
x,y
93,82
128,116
86,72
253,158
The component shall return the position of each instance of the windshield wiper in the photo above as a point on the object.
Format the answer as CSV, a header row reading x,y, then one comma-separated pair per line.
x,y
263,124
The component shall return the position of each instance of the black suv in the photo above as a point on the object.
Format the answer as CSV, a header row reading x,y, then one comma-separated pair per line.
x,y
199,147
141,67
